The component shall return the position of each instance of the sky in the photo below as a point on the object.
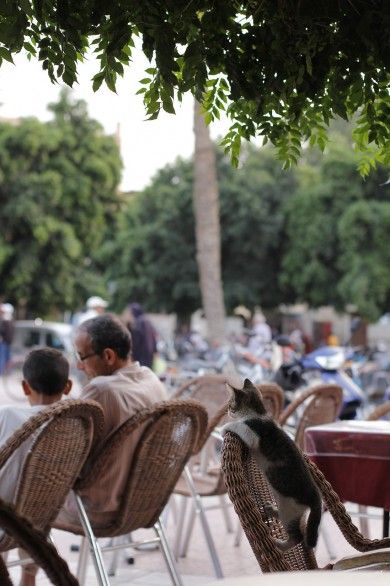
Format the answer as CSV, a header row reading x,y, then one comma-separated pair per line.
x,y
146,146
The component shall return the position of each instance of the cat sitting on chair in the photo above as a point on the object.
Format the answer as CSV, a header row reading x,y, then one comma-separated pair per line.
x,y
280,460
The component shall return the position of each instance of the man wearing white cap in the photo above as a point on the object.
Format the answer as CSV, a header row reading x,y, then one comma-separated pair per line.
x,y
95,306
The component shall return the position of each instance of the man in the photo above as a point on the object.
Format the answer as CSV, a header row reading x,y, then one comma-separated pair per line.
x,y
122,387
94,306
143,335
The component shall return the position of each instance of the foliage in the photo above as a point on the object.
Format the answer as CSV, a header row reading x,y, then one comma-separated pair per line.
x,y
58,189
153,253
280,69
336,231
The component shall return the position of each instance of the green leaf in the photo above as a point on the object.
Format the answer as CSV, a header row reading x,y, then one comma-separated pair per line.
x,y
6,54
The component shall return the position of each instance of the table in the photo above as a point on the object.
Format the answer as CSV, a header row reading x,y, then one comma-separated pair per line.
x,y
319,578
354,456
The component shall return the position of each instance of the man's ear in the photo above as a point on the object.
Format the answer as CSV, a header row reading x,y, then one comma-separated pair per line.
x,y
67,387
26,388
110,356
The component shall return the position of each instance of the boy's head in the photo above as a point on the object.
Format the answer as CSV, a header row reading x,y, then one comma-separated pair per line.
x,y
46,375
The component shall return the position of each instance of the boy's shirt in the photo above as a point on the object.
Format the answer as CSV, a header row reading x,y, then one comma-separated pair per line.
x,y
11,418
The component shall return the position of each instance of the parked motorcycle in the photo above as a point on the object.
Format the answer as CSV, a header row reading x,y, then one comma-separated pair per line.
x,y
322,366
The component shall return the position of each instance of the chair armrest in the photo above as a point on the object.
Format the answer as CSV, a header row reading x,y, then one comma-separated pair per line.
x,y
290,409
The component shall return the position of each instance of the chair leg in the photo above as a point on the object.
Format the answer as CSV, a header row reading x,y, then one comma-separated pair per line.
x,y
93,544
115,555
190,527
225,512
179,526
237,539
205,526
83,561
328,540
166,551
363,521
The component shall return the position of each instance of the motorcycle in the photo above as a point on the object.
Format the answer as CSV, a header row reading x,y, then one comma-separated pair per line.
x,y
322,366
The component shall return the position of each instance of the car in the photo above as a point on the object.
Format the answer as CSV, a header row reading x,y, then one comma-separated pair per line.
x,y
31,334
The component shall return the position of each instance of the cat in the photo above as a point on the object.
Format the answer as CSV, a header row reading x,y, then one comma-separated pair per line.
x,y
282,463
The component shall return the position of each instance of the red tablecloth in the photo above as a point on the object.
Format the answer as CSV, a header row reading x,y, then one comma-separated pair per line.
x,y
355,458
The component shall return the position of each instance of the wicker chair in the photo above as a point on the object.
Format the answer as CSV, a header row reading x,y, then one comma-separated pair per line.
x,y
379,412
273,398
37,545
63,434
321,404
203,476
250,494
166,437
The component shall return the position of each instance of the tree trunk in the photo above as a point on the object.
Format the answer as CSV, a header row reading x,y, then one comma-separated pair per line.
x,y
207,229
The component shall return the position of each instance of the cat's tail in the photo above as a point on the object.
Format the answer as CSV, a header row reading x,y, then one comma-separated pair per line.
x,y
313,523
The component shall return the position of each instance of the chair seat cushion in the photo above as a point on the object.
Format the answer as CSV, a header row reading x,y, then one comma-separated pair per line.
x,y
378,560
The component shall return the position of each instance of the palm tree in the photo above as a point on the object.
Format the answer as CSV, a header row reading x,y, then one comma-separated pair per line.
x,y
207,229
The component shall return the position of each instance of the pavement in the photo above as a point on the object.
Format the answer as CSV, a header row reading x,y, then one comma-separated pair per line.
x,y
196,568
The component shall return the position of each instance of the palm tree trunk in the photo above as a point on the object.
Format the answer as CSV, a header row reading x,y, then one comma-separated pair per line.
x,y
207,229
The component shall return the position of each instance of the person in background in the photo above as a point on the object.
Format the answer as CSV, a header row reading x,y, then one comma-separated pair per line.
x,y
7,327
143,335
94,306
45,381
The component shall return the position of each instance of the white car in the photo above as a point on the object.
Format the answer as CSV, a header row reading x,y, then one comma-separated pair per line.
x,y
31,334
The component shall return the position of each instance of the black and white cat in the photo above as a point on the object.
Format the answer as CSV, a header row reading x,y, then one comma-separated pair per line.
x,y
280,460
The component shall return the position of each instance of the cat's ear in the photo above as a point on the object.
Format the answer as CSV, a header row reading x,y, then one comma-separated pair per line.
x,y
248,385
236,391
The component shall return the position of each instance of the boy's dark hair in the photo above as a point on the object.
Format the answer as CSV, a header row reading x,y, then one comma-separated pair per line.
x,y
107,331
46,370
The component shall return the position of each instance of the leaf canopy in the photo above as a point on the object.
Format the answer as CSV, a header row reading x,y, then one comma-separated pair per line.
x,y
281,69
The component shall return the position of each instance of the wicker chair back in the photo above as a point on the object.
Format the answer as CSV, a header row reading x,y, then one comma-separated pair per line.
x,y
321,404
165,436
63,437
273,398
211,391
379,412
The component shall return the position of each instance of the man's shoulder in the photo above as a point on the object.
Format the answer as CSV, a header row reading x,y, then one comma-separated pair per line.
x,y
128,379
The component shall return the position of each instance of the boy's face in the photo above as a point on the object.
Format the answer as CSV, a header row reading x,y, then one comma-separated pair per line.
x,y
88,361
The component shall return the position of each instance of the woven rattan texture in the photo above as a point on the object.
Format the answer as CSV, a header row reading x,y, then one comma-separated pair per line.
x,y
251,497
63,436
38,547
170,431
273,398
255,506
212,393
322,404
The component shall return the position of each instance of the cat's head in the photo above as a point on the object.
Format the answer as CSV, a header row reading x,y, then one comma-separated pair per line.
x,y
246,400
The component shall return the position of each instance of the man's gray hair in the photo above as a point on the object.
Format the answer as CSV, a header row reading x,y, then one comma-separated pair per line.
x,y
107,331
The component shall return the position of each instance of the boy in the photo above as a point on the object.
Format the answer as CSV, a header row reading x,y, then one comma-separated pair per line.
x,y
45,381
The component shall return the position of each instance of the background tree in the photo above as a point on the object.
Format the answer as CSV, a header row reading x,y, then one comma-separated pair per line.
x,y
336,227
151,254
58,192
207,228
282,70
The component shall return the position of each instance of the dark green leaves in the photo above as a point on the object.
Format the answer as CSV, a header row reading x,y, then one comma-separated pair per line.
x,y
280,72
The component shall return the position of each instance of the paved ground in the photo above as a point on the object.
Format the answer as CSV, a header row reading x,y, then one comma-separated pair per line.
x,y
196,569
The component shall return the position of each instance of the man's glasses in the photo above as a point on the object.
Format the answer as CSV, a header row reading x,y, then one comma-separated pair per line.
x,y
80,358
